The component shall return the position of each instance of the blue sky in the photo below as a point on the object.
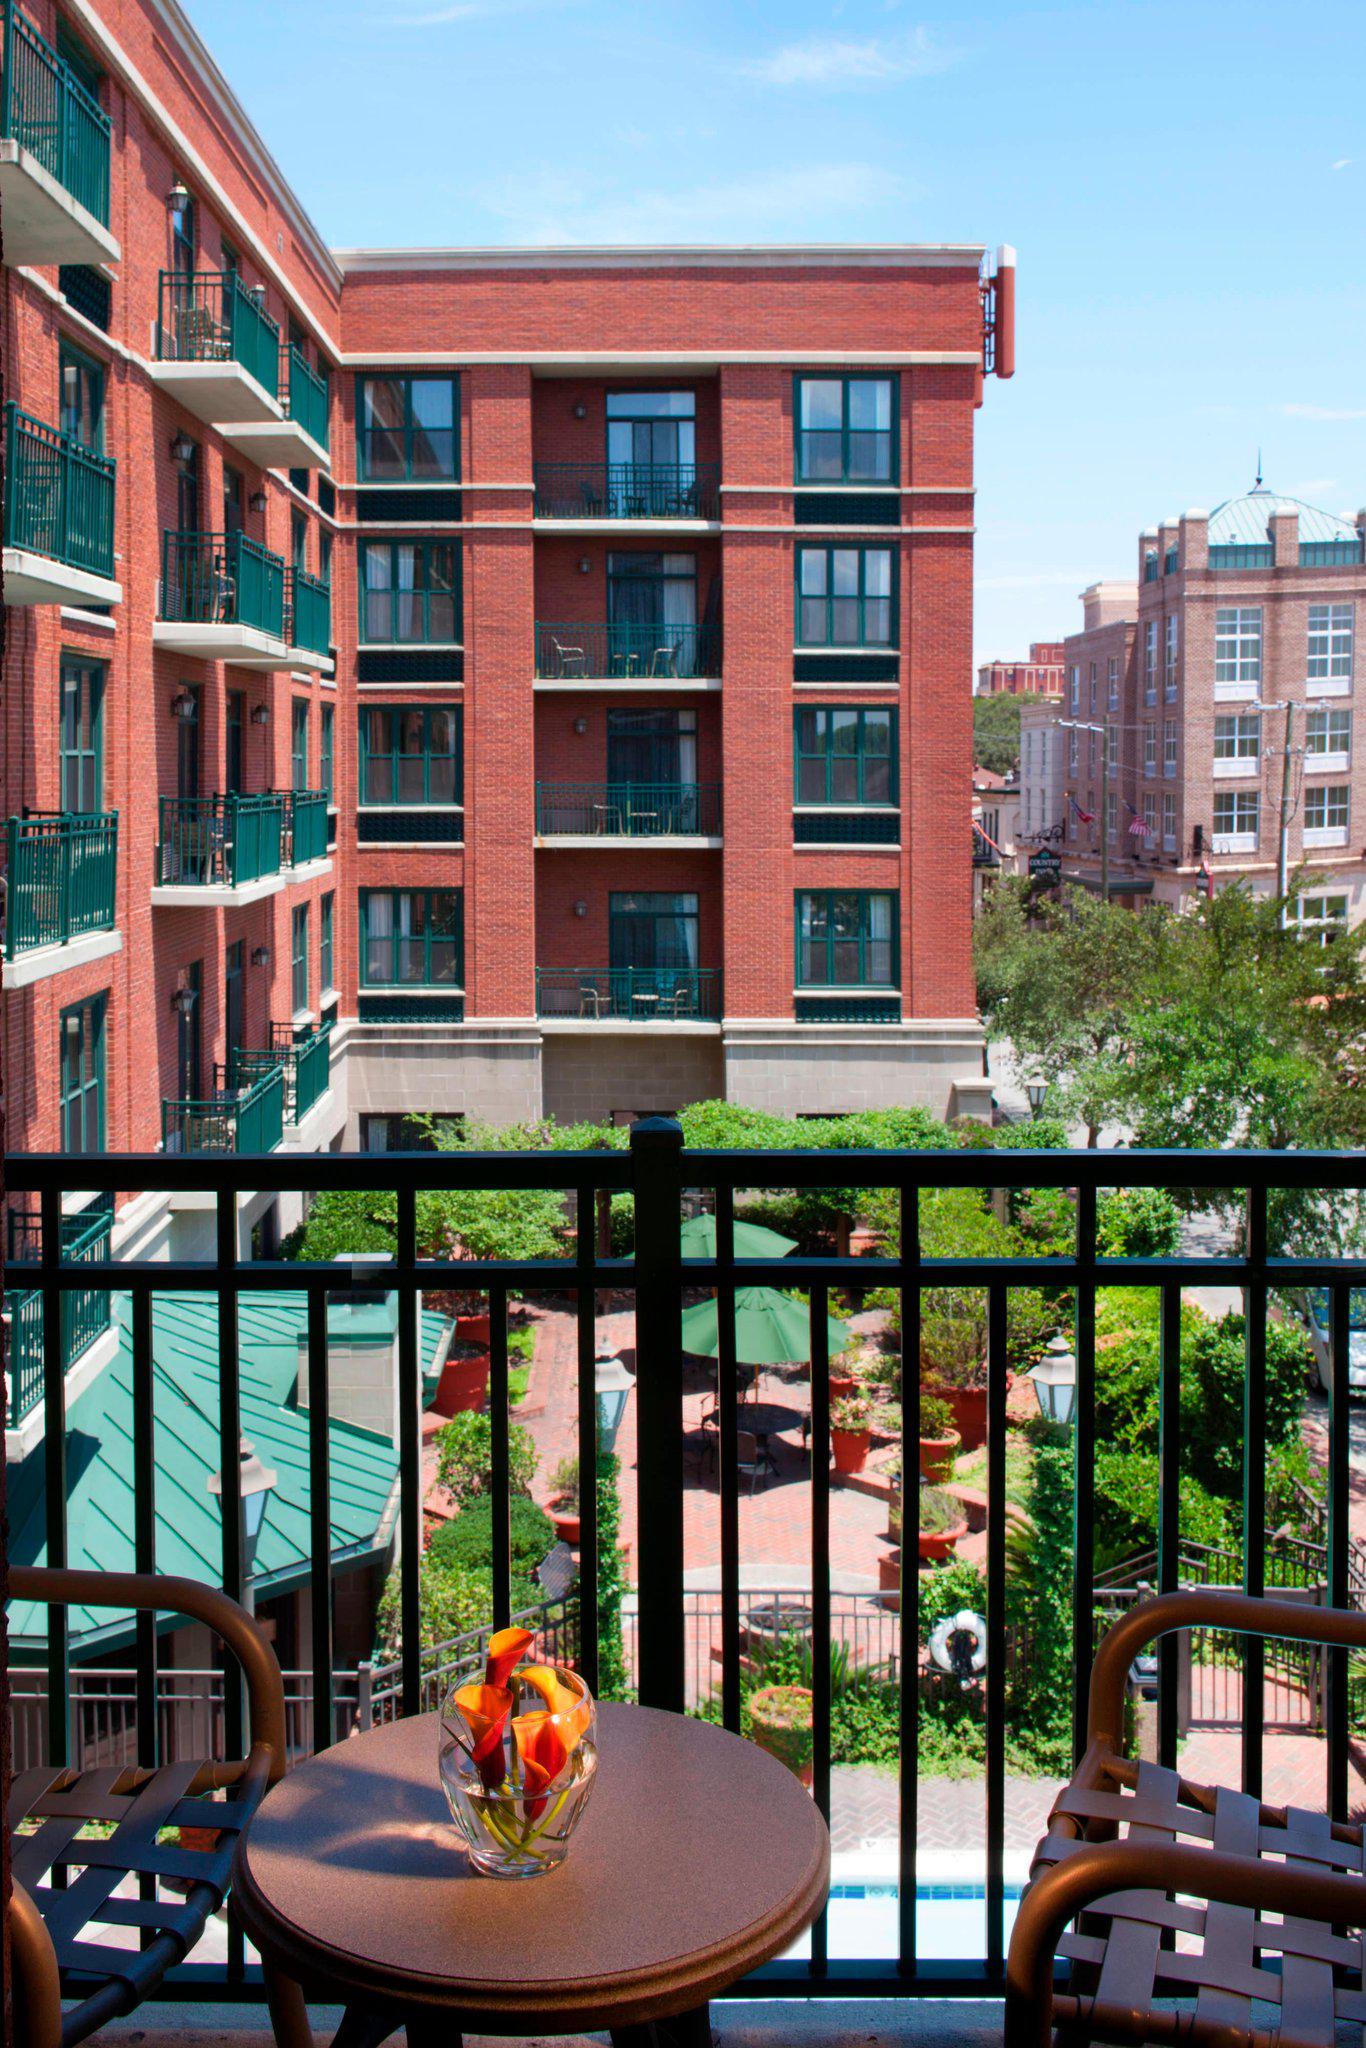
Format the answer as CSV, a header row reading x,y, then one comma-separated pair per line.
x,y
1184,184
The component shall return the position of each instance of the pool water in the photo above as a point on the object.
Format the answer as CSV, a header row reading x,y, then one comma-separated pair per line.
x,y
950,1919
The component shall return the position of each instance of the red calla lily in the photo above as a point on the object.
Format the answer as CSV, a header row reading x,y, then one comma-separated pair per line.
x,y
571,1710
543,1756
486,1708
506,1649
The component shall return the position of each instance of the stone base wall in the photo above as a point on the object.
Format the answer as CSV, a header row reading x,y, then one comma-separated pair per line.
x,y
491,1072
807,1069
623,1073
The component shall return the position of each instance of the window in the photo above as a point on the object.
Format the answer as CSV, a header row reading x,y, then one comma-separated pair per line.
x,y
847,938
1170,648
1150,661
1150,748
298,744
1074,698
1169,746
1237,649
411,754
845,597
1149,817
298,958
652,929
844,756
190,1035
1238,738
395,1132
81,1063
1326,814
1169,823
846,430
1330,643
1236,813
648,430
409,592
1112,683
652,598
184,240
1111,815
82,730
324,556
234,1007
1092,688
1321,918
325,752
234,737
1328,734
326,974
1073,752
82,398
412,936
407,429
298,542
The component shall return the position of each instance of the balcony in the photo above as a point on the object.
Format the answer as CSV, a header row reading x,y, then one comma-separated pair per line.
x,y
60,871
59,517
298,439
601,813
228,850
84,1313
306,839
305,1063
585,494
595,655
54,156
308,621
248,1118
222,599
217,350
688,997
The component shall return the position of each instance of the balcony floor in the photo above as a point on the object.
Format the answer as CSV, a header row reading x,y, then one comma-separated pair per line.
x,y
825,2023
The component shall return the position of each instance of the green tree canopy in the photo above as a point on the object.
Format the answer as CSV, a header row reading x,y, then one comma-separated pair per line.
x,y
996,731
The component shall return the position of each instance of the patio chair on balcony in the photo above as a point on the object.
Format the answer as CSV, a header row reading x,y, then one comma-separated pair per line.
x,y
200,336
569,661
74,1898
594,1001
1177,1942
664,662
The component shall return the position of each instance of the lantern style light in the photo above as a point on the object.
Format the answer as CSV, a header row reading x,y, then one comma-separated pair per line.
x,y
183,1001
1055,1382
611,1386
256,1482
1037,1091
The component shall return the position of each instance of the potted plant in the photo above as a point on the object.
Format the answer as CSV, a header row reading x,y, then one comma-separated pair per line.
x,y
889,1576
940,1442
953,1347
942,1523
564,1500
843,1380
781,1722
849,1432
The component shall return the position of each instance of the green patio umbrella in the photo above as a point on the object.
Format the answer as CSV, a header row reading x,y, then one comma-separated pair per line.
x,y
770,1329
752,1241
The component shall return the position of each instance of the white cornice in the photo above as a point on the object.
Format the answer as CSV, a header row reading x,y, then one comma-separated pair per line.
x,y
701,256
699,362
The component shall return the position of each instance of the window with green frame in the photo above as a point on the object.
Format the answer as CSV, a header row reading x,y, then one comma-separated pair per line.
x,y
326,912
298,743
846,597
81,737
82,398
844,754
81,1066
412,937
407,429
298,958
411,754
409,592
846,430
847,938
325,751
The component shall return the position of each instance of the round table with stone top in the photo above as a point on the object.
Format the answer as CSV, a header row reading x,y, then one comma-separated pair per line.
x,y
698,1858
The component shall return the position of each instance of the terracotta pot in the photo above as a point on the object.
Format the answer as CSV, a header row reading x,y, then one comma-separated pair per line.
x,y
850,1447
790,1743
968,1406
842,1386
464,1384
937,1544
889,1579
566,1525
472,1330
937,1454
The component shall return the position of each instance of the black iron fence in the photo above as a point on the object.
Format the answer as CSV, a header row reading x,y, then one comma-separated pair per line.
x,y
658,1174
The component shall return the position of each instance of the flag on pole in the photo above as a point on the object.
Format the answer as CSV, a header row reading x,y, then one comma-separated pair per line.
x,y
1085,817
1138,829
1205,880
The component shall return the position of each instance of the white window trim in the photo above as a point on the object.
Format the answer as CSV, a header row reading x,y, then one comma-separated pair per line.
x,y
1235,842
1329,686
1225,770
1325,835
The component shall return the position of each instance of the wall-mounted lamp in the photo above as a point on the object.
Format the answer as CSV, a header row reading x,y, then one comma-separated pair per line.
x,y
185,707
580,910
258,501
260,956
581,411
585,566
580,726
177,198
182,447
260,714
183,1001
257,294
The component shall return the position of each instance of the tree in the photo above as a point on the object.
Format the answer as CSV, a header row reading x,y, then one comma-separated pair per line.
x,y
996,732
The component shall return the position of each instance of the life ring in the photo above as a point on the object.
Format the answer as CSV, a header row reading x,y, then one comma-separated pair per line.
x,y
959,1644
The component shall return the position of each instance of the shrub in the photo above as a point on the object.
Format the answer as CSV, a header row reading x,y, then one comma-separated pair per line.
x,y
939,1511
467,1542
936,1418
784,1714
465,1456
947,1591
852,1413
1138,1223
564,1484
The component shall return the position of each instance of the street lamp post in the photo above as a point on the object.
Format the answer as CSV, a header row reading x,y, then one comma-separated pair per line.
x,y
1037,1091
256,1482
611,1386
1083,725
1054,1380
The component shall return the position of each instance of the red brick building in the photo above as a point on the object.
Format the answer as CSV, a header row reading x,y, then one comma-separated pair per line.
x,y
547,669
1040,676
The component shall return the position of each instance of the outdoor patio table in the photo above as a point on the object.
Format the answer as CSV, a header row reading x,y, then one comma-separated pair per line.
x,y
698,1858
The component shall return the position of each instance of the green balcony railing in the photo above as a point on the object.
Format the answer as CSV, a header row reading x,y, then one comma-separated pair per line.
x,y
209,316
303,393
306,1064
628,490
308,614
632,995
47,111
222,579
629,810
85,1311
219,841
307,826
652,653
59,495
249,1120
60,870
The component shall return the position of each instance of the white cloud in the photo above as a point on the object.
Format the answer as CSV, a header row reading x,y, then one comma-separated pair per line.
x,y
545,207
1324,412
836,61
1342,162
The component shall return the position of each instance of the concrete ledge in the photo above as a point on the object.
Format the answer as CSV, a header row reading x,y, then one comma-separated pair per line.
x,y
613,842
43,223
247,646
38,579
47,960
211,895
216,392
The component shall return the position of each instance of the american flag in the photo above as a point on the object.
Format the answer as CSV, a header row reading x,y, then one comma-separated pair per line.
x,y
1137,828
1086,817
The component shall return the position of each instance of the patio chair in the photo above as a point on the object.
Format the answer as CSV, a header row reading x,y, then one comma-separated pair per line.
x,y
664,661
71,1894
751,1458
1177,1942
569,661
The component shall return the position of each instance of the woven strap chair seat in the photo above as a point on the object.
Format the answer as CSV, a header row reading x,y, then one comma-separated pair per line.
x,y
1225,1973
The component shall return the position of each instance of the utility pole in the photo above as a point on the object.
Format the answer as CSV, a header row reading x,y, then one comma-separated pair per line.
x,y
1105,812
1283,849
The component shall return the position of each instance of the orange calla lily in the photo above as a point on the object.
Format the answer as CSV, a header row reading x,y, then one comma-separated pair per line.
x,y
506,1647
486,1708
543,1754
571,1711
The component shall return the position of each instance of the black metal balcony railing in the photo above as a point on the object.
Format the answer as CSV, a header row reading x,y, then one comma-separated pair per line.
x,y
629,995
305,1064
84,1311
60,869
221,841
595,649
660,1176
59,495
45,108
247,1118
629,810
222,579
628,490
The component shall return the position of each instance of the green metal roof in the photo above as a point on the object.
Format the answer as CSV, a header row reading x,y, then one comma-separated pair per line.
x,y
1246,521
363,1469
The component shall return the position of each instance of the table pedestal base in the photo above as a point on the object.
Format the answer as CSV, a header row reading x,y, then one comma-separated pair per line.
x,y
365,2026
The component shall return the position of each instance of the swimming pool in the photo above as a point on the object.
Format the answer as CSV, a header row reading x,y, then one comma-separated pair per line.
x,y
950,1909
